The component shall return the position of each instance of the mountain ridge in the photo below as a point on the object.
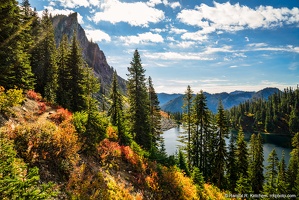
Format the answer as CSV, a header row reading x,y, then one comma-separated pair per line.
x,y
93,55
228,99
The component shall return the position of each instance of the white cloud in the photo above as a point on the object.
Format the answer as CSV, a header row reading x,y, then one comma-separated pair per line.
x,y
176,56
96,3
143,38
233,66
158,30
170,39
61,12
212,50
186,44
97,35
257,45
247,39
177,30
173,5
135,14
153,3
234,17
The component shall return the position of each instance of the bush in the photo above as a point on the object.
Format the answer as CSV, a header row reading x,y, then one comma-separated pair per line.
x,y
10,98
54,148
61,115
17,181
34,96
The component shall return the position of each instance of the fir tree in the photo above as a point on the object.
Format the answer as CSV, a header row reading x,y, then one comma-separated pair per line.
x,y
139,103
14,60
293,164
116,111
232,165
270,186
155,114
200,121
45,68
187,118
256,167
241,155
221,153
282,184
64,74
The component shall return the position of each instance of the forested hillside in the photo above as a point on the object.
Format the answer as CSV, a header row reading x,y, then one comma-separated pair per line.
x,y
279,114
57,141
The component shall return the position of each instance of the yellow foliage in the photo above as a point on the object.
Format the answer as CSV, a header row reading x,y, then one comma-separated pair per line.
x,y
10,98
212,192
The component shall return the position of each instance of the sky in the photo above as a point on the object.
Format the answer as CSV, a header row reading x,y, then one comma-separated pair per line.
x,y
214,46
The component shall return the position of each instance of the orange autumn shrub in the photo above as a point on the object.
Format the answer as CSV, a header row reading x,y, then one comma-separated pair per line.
x,y
175,185
61,115
41,107
108,151
34,96
54,148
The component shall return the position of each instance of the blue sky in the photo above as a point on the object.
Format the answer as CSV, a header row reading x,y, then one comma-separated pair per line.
x,y
215,46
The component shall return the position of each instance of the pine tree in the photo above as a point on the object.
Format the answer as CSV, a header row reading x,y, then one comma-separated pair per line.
x,y
155,115
282,184
293,164
44,60
221,153
187,118
232,165
64,74
241,155
182,163
116,111
270,186
256,167
14,60
139,103
200,122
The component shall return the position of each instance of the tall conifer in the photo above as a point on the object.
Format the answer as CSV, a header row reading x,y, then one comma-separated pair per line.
x,y
14,60
139,102
187,118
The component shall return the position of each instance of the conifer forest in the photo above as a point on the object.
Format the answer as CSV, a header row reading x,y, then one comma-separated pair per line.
x,y
65,136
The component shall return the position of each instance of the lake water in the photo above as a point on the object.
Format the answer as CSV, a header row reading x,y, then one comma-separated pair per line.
x,y
280,143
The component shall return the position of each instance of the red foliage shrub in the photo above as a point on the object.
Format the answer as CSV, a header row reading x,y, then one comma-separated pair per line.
x,y
129,155
61,115
108,150
41,107
34,96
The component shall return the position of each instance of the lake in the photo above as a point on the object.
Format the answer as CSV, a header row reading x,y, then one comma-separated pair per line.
x,y
279,142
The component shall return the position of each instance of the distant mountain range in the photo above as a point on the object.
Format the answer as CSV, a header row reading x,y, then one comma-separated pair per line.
x,y
174,102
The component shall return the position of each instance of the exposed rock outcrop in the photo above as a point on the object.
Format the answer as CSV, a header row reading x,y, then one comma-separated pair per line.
x,y
92,54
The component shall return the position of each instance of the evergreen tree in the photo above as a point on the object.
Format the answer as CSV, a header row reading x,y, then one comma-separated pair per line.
x,y
270,186
182,163
256,167
200,122
232,165
292,171
14,60
139,103
155,115
243,186
221,153
241,155
116,111
282,184
294,121
187,118
46,70
64,74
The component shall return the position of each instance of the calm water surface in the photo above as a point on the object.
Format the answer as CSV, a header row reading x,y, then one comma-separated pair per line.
x,y
280,143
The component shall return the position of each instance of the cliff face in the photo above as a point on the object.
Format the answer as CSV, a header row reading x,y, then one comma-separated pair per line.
x,y
92,54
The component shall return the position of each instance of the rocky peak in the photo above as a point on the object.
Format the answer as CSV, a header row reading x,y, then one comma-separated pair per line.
x,y
92,54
